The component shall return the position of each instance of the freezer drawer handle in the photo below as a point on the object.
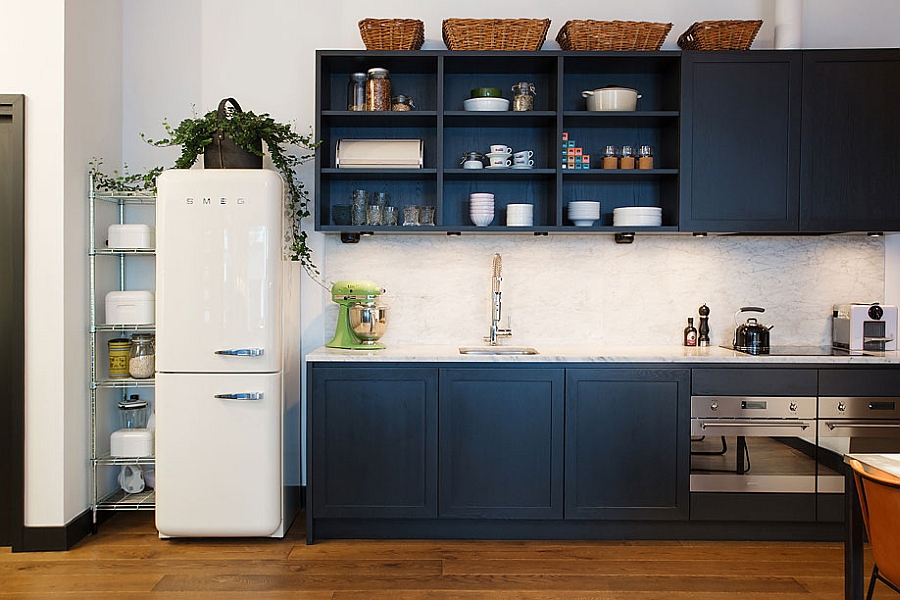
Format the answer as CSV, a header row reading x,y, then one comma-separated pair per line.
x,y
247,396
242,352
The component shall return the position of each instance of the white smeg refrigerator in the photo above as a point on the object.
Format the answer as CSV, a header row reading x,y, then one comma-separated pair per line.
x,y
219,379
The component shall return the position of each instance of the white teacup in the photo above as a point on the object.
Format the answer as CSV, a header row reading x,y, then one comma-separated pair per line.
x,y
473,164
522,162
523,154
501,149
496,161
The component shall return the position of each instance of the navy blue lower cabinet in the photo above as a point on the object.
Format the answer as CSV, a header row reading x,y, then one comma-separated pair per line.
x,y
627,444
501,443
373,442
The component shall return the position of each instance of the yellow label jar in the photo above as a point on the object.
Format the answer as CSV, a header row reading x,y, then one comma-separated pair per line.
x,y
119,353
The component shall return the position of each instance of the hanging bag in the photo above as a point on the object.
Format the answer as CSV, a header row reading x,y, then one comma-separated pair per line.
x,y
223,152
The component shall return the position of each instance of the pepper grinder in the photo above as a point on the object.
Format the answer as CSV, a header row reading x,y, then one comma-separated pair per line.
x,y
703,340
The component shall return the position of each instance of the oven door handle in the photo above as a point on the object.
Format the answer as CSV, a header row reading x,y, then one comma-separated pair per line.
x,y
705,424
851,424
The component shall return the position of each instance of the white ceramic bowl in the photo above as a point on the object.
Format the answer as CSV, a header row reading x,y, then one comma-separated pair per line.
x,y
482,220
583,222
486,104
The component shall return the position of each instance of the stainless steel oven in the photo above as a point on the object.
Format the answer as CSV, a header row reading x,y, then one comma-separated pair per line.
x,y
753,444
854,424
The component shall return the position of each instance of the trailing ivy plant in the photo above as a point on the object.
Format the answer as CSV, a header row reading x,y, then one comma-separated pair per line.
x,y
123,182
245,128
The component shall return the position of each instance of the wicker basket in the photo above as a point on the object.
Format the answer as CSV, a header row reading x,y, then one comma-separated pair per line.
x,y
719,35
495,34
392,34
612,35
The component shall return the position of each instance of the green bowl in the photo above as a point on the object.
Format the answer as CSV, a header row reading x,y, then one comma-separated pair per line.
x,y
486,92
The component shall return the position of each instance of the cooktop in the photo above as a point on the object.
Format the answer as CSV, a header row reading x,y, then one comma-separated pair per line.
x,y
805,351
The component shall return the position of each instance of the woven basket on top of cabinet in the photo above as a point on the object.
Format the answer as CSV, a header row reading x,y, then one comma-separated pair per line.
x,y
392,34
612,35
495,34
719,35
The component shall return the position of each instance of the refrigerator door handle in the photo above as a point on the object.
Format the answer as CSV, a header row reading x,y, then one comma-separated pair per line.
x,y
246,396
242,352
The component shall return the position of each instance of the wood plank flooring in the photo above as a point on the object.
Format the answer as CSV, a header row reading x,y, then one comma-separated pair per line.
x,y
126,560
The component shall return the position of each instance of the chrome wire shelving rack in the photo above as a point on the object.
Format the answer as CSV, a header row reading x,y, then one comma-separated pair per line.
x,y
103,495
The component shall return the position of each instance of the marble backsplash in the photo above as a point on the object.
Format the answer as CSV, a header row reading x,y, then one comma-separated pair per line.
x,y
586,289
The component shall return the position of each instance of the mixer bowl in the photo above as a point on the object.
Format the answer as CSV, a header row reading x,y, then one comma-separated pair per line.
x,y
368,322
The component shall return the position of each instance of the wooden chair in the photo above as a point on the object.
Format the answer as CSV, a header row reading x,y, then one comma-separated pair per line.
x,y
879,498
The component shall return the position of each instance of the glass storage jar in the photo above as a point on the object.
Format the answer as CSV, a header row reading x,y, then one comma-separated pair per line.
x,y
142,363
356,92
523,98
645,157
402,103
378,89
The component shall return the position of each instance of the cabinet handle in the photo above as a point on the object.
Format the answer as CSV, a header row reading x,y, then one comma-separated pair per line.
x,y
246,396
242,352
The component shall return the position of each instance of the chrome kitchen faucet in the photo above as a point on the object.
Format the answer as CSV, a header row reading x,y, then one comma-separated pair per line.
x,y
496,330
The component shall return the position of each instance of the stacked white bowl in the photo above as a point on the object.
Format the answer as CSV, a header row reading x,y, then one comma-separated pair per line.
x,y
584,212
481,208
520,215
637,216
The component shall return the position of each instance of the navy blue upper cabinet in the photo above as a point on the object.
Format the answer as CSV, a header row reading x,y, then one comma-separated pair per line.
x,y
740,143
850,154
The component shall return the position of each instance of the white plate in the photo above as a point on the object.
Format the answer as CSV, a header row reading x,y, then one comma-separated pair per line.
x,y
486,104
497,167
521,167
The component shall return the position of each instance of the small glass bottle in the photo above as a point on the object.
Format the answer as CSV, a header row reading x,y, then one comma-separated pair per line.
x,y
645,158
142,363
378,89
627,160
523,98
610,158
356,92
690,333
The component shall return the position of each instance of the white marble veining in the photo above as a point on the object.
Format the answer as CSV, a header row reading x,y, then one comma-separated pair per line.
x,y
586,354
586,289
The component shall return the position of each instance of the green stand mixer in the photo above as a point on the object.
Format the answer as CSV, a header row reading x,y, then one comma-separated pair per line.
x,y
361,322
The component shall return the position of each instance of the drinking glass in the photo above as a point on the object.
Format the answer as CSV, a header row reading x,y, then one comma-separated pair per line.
x,y
410,215
426,215
390,215
375,214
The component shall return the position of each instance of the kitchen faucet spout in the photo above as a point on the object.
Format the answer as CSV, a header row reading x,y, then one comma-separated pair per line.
x,y
496,309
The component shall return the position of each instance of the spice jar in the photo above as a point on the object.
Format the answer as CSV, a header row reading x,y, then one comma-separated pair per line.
x,y
356,92
142,361
627,159
378,89
645,157
610,158
402,103
523,98
119,352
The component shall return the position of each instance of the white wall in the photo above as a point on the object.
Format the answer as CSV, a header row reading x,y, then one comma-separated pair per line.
x,y
63,55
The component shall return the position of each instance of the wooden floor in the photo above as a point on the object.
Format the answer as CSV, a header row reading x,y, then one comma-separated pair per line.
x,y
126,560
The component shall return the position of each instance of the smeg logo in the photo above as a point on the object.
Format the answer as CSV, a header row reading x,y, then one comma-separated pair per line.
x,y
204,201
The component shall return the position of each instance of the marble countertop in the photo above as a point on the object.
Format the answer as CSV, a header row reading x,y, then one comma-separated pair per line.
x,y
888,463
587,354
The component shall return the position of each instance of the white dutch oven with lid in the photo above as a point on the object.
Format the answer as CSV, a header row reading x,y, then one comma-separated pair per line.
x,y
611,98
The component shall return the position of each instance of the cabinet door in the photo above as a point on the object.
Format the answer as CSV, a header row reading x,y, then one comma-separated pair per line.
x,y
627,443
373,450
501,443
740,141
850,170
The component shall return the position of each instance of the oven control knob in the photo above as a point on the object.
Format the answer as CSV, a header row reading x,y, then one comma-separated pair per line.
x,y
793,407
876,312
713,406
841,406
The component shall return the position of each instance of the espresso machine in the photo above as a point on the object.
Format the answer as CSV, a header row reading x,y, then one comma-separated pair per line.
x,y
361,320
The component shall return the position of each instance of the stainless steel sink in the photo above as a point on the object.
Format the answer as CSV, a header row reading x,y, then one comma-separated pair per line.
x,y
498,350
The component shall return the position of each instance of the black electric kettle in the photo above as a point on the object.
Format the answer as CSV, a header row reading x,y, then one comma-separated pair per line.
x,y
751,337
